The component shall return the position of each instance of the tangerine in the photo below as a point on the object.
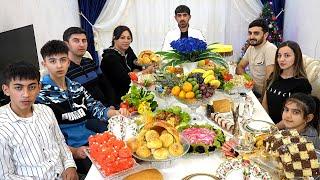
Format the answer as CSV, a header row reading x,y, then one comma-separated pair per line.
x,y
175,90
187,86
190,95
182,94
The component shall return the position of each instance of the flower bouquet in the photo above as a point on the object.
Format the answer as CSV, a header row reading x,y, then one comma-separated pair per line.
x,y
186,50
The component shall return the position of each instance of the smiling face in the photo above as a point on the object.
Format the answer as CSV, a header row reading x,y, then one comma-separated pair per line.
x,y
57,65
77,44
123,42
182,19
286,58
22,94
256,36
293,116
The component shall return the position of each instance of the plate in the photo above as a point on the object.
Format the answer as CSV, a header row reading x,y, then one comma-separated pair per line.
x,y
240,169
116,175
258,126
185,145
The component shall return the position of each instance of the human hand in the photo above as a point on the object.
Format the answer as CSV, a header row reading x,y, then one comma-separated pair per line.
x,y
79,153
70,174
124,112
228,150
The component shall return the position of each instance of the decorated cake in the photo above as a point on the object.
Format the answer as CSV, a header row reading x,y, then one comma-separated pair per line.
x,y
271,140
299,160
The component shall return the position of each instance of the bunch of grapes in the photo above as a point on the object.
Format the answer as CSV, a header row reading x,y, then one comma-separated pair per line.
x,y
198,77
206,90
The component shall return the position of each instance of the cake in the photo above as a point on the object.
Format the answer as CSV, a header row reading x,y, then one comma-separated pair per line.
x,y
299,160
271,140
222,106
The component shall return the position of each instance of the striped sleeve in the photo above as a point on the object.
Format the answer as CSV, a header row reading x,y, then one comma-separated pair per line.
x,y
7,170
66,155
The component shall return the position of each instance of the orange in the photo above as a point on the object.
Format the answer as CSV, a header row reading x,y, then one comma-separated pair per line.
x,y
190,95
187,86
182,94
175,90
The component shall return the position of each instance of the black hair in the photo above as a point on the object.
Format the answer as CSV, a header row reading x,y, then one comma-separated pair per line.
x,y
309,105
182,9
20,70
54,47
72,30
118,31
260,23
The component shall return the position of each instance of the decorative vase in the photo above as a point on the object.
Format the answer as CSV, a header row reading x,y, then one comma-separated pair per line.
x,y
188,67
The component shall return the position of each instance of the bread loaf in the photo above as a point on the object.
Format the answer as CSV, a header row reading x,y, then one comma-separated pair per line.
x,y
222,106
146,174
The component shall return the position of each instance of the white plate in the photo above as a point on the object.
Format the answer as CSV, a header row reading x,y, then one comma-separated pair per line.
x,y
258,126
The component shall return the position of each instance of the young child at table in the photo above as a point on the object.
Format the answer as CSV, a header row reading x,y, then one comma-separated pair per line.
x,y
300,112
31,143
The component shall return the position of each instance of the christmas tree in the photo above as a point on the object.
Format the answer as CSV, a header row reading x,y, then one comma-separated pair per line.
x,y
275,35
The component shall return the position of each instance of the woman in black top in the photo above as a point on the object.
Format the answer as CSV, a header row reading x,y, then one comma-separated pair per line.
x,y
289,77
118,60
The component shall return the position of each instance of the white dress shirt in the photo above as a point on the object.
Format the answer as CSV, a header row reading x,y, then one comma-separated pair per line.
x,y
175,35
34,147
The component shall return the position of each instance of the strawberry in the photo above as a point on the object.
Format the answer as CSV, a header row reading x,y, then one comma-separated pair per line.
x,y
133,76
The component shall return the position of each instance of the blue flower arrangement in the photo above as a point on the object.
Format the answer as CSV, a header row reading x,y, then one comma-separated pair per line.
x,y
190,50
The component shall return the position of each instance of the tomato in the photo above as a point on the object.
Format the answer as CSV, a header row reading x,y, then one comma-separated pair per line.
x,y
227,77
124,105
133,76
125,152
249,84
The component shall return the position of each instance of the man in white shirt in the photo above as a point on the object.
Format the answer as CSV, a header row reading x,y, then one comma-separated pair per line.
x,y
31,143
260,55
182,16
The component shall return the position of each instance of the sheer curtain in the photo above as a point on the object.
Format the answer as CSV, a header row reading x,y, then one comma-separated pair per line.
x,y
49,18
223,21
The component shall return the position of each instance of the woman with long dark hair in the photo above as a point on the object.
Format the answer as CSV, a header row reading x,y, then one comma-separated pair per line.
x,y
289,77
118,61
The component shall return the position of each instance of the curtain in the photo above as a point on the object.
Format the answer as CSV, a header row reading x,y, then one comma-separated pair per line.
x,y
223,21
277,6
49,18
91,10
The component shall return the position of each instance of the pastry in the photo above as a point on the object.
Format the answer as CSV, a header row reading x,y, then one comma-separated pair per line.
x,y
146,174
223,105
176,149
151,134
161,153
133,144
154,144
167,139
143,151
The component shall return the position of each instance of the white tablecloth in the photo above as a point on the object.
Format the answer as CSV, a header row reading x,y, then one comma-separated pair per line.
x,y
189,164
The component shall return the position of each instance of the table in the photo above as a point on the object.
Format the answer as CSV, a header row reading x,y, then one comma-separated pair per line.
x,y
193,163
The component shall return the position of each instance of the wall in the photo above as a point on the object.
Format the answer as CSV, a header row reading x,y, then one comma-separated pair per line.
x,y
49,18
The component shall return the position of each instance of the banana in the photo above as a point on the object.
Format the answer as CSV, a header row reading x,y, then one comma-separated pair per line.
x,y
207,73
198,71
209,78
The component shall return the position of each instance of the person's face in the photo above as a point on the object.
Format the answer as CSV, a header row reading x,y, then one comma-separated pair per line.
x,y
77,44
23,93
182,19
57,65
256,36
123,42
285,58
293,116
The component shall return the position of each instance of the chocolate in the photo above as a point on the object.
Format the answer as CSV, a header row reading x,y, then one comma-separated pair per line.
x,y
302,147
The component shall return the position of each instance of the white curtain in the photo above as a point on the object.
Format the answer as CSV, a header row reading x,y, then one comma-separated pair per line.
x,y
49,18
223,21
301,24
